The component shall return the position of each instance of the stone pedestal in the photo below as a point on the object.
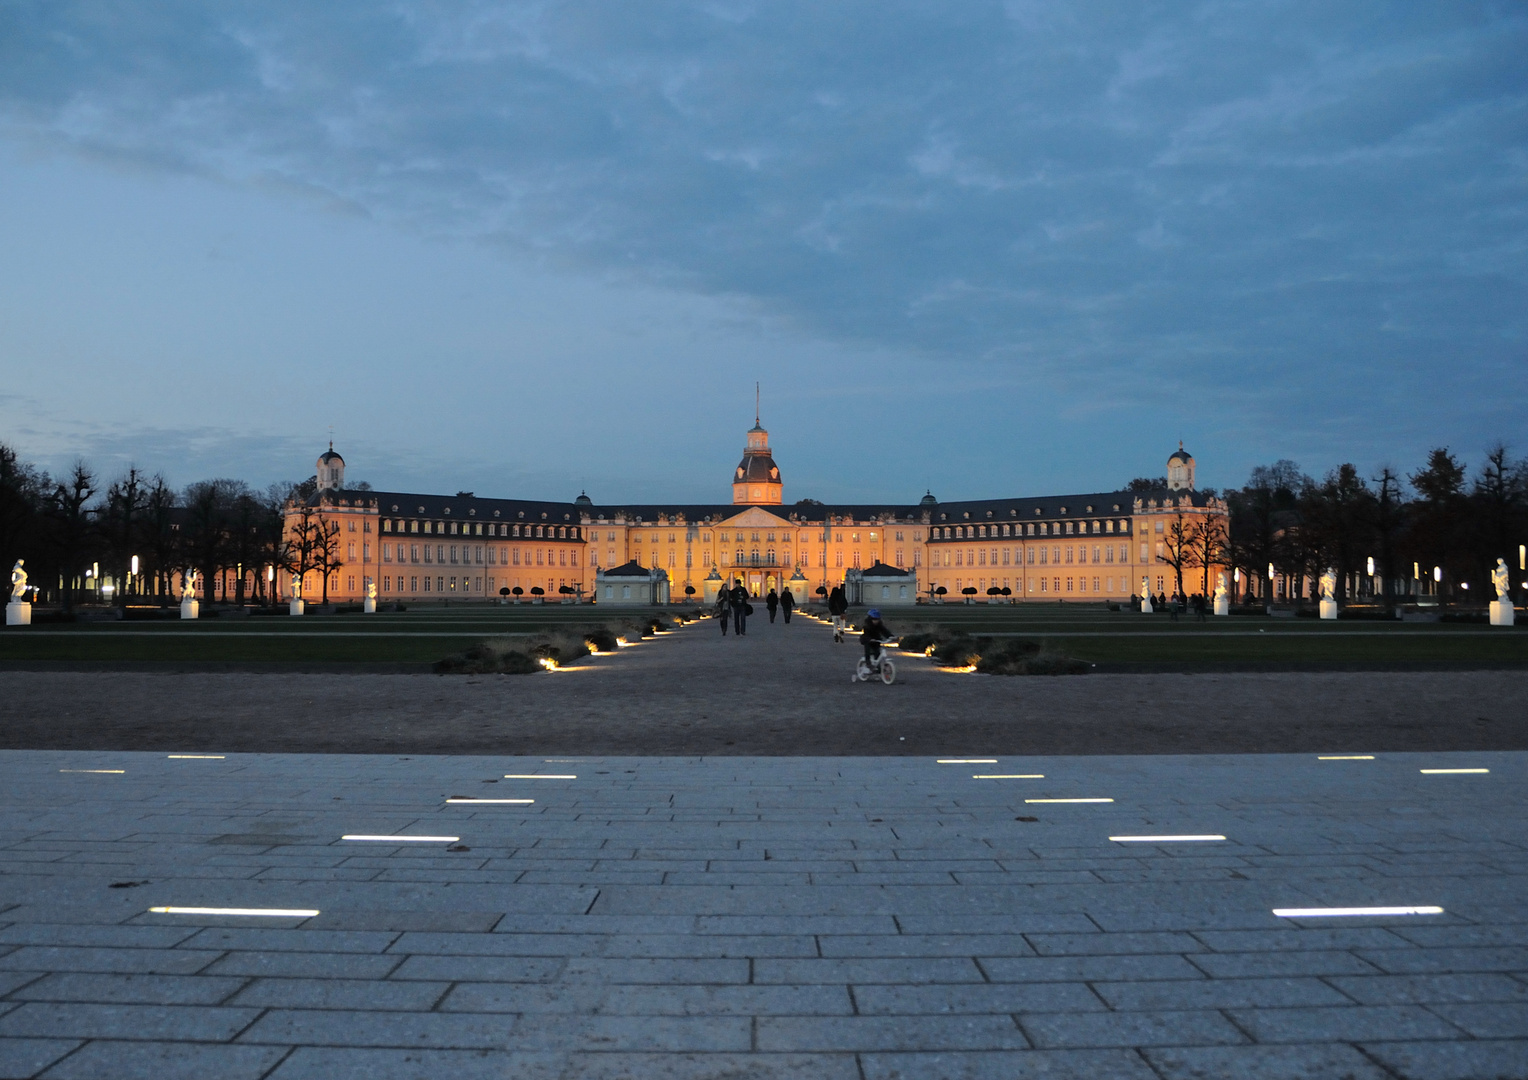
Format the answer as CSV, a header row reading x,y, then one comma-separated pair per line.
x,y
1328,609
1502,613
1146,608
295,607
1222,605
18,613
369,606
190,609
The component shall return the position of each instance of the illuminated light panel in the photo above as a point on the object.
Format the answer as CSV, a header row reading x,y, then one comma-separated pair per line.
x,y
114,772
1448,772
1008,776
1326,912
541,776
195,757
966,761
1163,839
271,913
1347,757
405,839
1066,800
548,663
512,802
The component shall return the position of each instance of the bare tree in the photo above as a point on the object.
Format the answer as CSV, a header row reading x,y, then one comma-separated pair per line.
x,y
72,518
1178,547
122,524
1209,547
326,549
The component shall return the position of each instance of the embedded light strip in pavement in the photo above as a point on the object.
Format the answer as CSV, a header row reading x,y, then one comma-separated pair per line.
x,y
540,776
195,757
1326,912
1066,800
273,913
512,802
1161,839
1347,757
1008,776
1449,772
407,839
115,772
966,761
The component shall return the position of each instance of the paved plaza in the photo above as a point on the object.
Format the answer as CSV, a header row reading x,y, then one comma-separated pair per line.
x,y
744,917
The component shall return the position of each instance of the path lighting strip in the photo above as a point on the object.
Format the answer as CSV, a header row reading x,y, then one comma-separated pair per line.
x,y
1008,776
966,761
541,776
1347,757
1066,800
1326,912
114,772
273,913
195,757
1449,772
406,839
513,802
1162,839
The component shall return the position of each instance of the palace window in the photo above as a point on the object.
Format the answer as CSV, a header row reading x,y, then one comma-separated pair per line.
x,y
838,559
899,559
856,560
917,557
993,554
1042,556
899,537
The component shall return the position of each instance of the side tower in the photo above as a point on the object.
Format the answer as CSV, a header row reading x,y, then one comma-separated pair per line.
x,y
330,470
756,482
1180,470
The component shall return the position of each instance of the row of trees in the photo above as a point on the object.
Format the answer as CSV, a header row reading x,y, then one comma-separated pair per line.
x,y
1438,516
77,530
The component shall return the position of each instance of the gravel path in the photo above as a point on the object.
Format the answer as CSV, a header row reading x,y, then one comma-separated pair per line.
x,y
781,690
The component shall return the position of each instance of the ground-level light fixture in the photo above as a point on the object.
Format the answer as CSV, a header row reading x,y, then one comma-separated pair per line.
x,y
1166,839
402,839
1450,772
271,913
1331,912
1008,776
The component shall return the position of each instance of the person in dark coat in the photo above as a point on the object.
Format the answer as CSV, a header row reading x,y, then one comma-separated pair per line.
x,y
740,609
724,607
772,602
838,604
787,601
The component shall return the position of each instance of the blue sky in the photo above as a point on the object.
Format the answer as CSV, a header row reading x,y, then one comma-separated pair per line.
x,y
985,248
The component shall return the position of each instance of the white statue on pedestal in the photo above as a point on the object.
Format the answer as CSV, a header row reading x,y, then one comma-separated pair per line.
x,y
1146,607
1329,594
18,612
369,604
294,604
1222,595
296,587
18,583
1502,611
188,586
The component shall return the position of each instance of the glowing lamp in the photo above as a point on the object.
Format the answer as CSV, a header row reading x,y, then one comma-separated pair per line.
x,y
1371,565
1437,573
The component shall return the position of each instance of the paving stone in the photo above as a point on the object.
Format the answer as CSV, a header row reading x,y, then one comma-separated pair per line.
x,y
1113,944
481,968
143,961
351,1027
1427,989
401,921
1086,968
166,1061
23,1058
1417,961
12,980
1140,1029
69,1019
341,994
902,945
325,1063
884,1033
1218,994
297,965
1486,1020
1271,964
1319,1062
327,941
160,937
875,1000
1496,1060
132,989
1009,1065
671,1034
1349,1023
639,1000
865,970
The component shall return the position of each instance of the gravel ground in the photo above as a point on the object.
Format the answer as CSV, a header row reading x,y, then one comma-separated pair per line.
x,y
781,690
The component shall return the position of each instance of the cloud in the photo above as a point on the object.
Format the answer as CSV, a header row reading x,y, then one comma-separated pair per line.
x,y
1302,198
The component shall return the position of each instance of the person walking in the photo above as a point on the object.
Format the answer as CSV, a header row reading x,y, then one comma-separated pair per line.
x,y
772,602
723,607
838,604
740,609
787,601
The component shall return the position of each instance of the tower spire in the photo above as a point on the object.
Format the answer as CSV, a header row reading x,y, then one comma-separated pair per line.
x,y
755,404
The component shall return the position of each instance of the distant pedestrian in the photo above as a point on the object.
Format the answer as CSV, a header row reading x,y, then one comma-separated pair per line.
x,y
787,601
838,604
723,607
740,609
772,602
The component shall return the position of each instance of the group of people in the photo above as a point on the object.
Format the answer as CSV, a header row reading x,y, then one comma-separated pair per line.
x,y
732,606
1176,604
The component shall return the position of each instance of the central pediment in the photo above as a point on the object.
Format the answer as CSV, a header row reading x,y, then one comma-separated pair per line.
x,y
755,518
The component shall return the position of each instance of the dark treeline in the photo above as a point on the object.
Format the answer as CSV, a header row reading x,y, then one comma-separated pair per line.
x,y
78,530
1439,516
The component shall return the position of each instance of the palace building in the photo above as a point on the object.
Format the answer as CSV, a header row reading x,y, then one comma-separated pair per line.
x,y
416,547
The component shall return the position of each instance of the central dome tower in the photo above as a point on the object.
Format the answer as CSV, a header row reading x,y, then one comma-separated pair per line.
x,y
756,481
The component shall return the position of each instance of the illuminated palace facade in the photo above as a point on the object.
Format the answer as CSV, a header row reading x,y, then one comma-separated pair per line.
x,y
417,548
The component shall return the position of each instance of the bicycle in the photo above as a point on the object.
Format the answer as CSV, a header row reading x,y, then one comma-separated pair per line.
x,y
880,663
